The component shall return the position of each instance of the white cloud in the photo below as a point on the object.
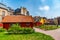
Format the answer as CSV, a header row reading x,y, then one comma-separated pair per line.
x,y
51,12
44,8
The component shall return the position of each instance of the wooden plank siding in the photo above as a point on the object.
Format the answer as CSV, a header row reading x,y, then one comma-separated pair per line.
x,y
6,25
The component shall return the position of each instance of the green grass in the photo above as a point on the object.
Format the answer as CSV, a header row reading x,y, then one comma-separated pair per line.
x,y
59,26
48,27
33,36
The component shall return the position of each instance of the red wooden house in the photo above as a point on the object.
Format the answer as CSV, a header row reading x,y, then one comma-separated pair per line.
x,y
38,24
24,21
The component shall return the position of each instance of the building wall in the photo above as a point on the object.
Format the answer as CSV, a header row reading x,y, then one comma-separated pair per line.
x,y
0,18
24,11
30,24
21,11
7,25
1,13
10,13
6,12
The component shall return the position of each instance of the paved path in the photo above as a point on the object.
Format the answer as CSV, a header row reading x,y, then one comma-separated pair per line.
x,y
54,33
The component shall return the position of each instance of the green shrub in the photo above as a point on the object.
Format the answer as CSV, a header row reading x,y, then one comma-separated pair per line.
x,y
28,30
48,27
2,29
15,28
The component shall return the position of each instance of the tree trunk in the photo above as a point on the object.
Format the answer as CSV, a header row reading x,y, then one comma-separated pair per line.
x,y
57,25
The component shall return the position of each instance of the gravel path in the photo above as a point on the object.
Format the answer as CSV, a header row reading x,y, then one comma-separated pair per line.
x,y
54,33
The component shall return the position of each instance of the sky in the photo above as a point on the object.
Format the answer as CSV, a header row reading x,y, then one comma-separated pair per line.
x,y
43,8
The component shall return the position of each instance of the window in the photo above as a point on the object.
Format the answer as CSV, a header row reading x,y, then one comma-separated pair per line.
x,y
3,13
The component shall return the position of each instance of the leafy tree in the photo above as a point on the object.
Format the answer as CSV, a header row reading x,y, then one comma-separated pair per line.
x,y
56,21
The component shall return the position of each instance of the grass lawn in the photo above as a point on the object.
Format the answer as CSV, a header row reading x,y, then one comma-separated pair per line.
x,y
48,27
33,36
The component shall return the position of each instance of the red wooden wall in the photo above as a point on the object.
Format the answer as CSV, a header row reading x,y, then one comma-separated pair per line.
x,y
1,24
27,25
6,25
38,23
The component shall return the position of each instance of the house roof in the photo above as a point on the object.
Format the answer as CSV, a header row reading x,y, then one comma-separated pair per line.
x,y
17,18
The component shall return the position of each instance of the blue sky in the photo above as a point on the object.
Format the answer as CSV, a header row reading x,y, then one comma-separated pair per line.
x,y
47,8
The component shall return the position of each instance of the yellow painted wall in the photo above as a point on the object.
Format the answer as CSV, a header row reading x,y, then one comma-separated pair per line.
x,y
43,20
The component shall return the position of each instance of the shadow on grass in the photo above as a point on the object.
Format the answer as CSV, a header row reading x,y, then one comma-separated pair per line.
x,y
18,33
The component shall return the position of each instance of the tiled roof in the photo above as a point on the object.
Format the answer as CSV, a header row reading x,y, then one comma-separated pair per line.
x,y
17,18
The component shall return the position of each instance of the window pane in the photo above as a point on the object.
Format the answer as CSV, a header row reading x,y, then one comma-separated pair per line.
x,y
3,13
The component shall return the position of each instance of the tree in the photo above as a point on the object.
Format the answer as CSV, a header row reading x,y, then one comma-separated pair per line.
x,y
56,21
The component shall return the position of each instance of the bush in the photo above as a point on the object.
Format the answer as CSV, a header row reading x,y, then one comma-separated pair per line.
x,y
48,27
2,30
15,28
27,30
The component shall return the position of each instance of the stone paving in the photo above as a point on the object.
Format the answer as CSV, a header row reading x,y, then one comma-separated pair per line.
x,y
54,33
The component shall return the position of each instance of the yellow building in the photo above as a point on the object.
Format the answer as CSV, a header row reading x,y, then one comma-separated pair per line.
x,y
43,20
